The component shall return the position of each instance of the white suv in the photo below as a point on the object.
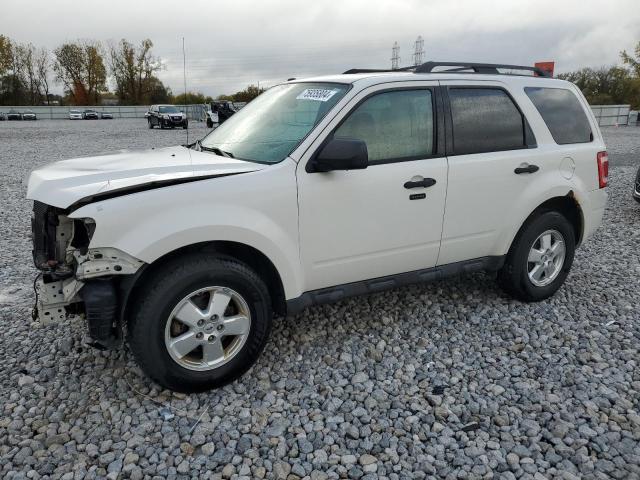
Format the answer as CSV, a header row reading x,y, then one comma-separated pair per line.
x,y
317,190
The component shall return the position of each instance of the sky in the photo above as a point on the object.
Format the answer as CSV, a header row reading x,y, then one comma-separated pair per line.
x,y
232,44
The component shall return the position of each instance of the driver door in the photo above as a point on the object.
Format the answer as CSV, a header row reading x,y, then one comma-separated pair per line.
x,y
364,224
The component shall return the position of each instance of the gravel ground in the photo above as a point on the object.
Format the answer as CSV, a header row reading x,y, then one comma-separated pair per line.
x,y
449,379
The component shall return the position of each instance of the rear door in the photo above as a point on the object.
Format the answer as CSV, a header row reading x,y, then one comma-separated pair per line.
x,y
364,224
488,140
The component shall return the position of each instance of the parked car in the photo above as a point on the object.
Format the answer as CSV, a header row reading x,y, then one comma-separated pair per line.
x,y
29,115
75,115
106,116
90,115
636,188
219,112
316,191
166,116
14,115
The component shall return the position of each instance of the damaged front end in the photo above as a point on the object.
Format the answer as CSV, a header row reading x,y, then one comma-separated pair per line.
x,y
75,279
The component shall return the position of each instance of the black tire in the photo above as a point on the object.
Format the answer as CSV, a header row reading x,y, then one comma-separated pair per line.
x,y
157,299
514,279
150,124
209,123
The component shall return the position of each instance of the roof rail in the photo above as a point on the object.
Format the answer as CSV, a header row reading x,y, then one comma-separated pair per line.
x,y
491,68
458,67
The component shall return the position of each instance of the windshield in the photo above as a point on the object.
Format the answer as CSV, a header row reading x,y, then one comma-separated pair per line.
x,y
272,125
168,109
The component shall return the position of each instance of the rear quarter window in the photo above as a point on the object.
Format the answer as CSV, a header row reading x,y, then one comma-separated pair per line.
x,y
563,113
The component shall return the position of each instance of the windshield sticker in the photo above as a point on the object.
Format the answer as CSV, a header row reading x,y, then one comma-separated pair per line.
x,y
317,94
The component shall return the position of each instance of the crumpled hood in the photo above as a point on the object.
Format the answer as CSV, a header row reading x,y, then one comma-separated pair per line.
x,y
64,183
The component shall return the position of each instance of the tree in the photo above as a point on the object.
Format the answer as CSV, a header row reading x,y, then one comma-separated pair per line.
x,y
133,69
80,67
190,98
246,95
606,85
43,68
5,54
633,61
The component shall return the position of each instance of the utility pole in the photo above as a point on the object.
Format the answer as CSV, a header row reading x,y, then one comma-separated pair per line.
x,y
395,56
418,52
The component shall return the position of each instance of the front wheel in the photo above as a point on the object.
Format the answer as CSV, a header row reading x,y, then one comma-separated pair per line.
x,y
150,124
540,258
209,123
200,323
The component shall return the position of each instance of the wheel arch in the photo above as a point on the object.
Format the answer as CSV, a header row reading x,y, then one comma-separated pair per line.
x,y
567,205
130,287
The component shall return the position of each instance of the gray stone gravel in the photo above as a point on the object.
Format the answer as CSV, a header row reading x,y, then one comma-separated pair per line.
x,y
448,380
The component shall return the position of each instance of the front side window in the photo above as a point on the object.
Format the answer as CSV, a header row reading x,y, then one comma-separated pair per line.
x,y
395,125
485,120
561,111
272,125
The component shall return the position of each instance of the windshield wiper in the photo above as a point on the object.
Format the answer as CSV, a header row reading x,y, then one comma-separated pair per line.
x,y
215,150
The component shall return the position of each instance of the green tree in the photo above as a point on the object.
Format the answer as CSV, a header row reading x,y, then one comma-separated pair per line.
x,y
190,98
606,85
248,94
632,61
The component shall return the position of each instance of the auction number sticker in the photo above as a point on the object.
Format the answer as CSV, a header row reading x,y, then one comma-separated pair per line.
x,y
317,94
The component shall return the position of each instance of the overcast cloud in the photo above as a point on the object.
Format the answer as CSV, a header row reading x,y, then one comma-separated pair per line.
x,y
231,44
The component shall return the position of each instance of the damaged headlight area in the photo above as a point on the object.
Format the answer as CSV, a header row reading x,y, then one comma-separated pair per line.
x,y
75,279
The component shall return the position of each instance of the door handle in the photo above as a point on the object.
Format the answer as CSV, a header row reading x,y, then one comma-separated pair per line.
x,y
425,183
527,169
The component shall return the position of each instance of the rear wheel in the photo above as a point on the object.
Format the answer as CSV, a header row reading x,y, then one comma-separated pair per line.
x,y
200,323
540,258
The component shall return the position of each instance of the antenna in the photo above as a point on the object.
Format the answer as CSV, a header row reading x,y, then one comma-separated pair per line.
x,y
395,56
184,78
418,53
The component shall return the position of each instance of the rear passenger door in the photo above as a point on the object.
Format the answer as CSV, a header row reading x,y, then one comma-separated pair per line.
x,y
488,139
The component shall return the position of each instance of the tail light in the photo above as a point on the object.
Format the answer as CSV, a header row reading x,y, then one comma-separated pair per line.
x,y
603,169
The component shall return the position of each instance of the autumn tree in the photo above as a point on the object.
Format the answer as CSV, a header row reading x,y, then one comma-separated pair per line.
x,y
133,69
80,67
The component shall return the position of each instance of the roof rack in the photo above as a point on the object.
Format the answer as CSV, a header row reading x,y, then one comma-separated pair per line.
x,y
460,67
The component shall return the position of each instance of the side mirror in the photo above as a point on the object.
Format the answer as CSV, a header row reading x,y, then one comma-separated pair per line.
x,y
340,154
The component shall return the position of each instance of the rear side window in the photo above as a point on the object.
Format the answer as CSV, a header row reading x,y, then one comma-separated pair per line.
x,y
562,112
485,120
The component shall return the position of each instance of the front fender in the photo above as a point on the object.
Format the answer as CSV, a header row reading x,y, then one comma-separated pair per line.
x,y
148,225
